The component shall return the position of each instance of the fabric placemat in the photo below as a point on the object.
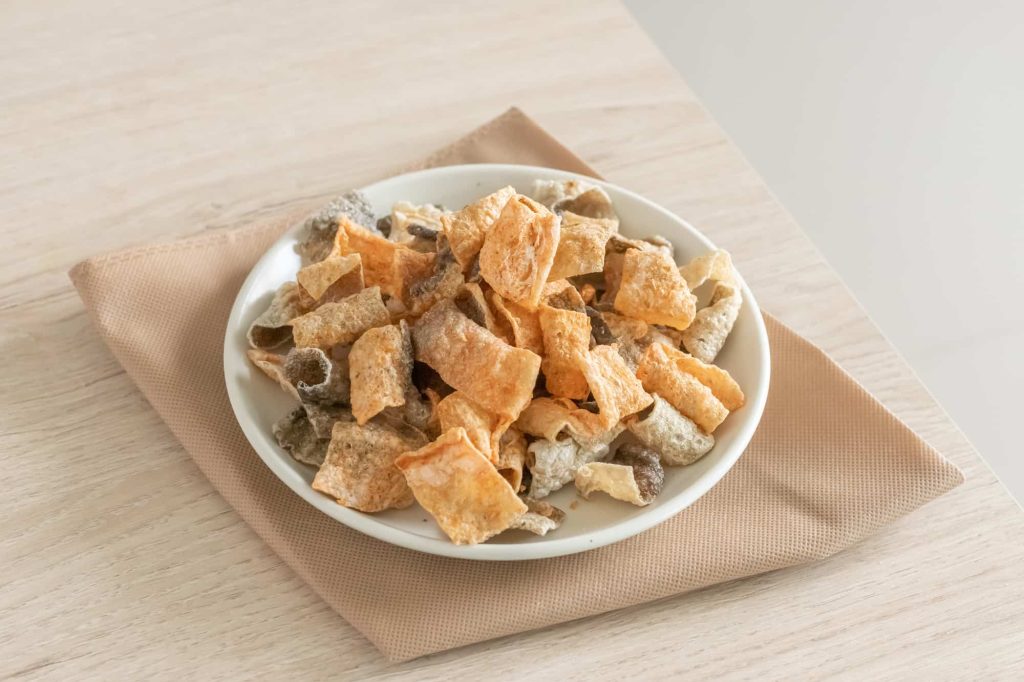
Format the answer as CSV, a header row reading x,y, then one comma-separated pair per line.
x,y
827,466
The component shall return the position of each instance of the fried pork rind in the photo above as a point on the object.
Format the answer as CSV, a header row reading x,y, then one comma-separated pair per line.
x,y
706,335
553,463
575,196
562,294
652,290
581,246
512,458
460,488
359,469
631,337
320,228
548,417
272,365
566,343
332,279
715,266
317,377
469,358
676,438
519,249
445,281
467,228
721,383
295,434
386,264
483,427
661,375
540,517
616,389
523,322
473,304
634,475
405,214
273,328
341,322
380,370
323,417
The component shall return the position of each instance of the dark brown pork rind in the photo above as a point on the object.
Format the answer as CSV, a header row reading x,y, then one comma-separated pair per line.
x,y
320,228
295,434
316,377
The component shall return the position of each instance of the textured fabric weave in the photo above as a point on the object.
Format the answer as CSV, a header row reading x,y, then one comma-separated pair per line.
x,y
827,466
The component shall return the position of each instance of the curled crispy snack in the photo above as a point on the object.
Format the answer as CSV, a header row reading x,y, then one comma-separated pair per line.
x,y
483,427
710,328
631,337
581,246
330,279
469,358
676,438
321,228
359,469
512,458
460,488
681,389
553,463
272,365
548,417
519,249
563,295
444,281
316,377
715,378
575,196
467,228
523,322
540,517
405,214
386,264
713,265
295,434
473,304
341,321
380,369
616,389
634,475
653,290
566,342
273,328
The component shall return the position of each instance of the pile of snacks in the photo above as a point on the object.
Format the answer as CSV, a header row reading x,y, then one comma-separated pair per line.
x,y
475,361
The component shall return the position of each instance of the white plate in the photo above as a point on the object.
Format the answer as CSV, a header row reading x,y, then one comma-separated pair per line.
x,y
258,403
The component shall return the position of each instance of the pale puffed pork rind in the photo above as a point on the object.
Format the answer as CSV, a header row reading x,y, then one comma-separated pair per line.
x,y
581,246
317,377
483,427
634,475
341,322
676,438
660,374
272,365
460,488
721,383
715,266
273,327
467,228
706,335
386,264
617,390
519,249
575,196
540,517
320,229
523,322
380,370
490,372
296,434
653,290
359,469
331,279
552,463
566,344
512,458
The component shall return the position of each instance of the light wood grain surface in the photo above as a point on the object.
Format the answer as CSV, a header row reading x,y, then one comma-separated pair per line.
x,y
125,123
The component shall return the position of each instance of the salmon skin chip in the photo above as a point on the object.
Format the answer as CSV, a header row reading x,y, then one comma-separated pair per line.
x,y
512,458
633,475
320,229
380,370
467,228
491,373
721,383
272,365
341,322
519,250
296,434
653,290
566,343
676,438
553,463
460,488
682,390
273,328
331,279
706,335
617,391
524,323
483,427
386,264
581,246
575,196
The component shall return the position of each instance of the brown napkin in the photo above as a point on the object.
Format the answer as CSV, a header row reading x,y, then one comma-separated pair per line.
x,y
827,466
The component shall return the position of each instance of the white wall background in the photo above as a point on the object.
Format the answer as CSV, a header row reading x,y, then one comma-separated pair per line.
x,y
894,133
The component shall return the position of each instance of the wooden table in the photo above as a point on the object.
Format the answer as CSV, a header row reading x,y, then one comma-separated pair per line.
x,y
125,123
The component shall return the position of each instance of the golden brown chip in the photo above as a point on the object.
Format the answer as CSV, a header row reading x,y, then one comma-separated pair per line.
x,y
296,434
483,427
540,517
380,370
653,290
566,342
512,458
467,228
562,294
359,470
706,335
331,279
386,264
473,304
272,365
676,438
682,390
547,417
581,246
460,488
634,475
715,378
616,389
519,250
523,322
405,213
341,322
713,265
273,328
491,373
